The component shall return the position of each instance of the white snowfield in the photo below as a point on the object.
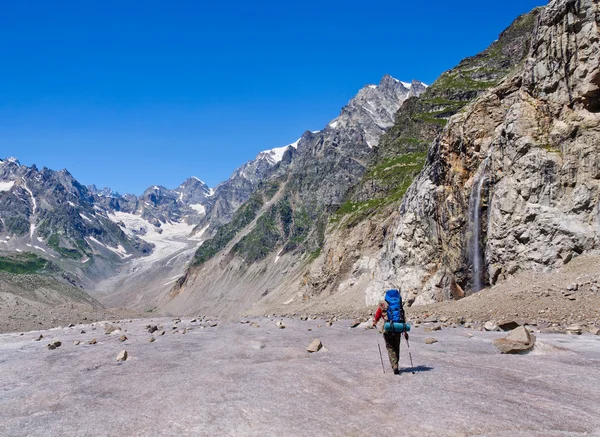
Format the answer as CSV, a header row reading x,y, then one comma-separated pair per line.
x,y
174,246
199,208
6,186
276,155
169,239
241,380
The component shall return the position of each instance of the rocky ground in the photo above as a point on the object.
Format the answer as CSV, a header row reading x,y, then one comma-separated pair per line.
x,y
204,378
20,315
560,298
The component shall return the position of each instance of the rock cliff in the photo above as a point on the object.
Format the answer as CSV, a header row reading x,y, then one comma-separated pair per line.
x,y
512,183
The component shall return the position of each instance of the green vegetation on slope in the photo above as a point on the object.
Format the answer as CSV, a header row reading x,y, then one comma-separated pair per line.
x,y
23,263
242,217
396,174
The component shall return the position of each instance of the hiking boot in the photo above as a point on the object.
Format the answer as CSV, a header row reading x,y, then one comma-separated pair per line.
x,y
396,372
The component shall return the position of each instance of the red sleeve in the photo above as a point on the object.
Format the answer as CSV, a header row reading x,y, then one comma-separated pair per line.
x,y
378,314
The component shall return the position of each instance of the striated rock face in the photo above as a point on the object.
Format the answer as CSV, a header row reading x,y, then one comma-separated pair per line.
x,y
513,181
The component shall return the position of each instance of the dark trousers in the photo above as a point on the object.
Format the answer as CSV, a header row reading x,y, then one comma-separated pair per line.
x,y
392,344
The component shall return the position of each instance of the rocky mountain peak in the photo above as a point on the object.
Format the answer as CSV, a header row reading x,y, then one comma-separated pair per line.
x,y
193,191
374,107
104,192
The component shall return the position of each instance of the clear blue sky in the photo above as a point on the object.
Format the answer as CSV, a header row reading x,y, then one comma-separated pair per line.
x,y
128,94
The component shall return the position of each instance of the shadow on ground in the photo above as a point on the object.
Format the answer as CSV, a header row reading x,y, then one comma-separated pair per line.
x,y
416,369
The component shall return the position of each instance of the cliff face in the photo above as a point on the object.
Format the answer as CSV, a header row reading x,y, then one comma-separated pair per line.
x,y
513,181
356,232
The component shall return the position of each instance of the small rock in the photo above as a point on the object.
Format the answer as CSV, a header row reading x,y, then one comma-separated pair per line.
x,y
490,325
109,329
315,346
82,331
162,333
151,340
92,341
280,324
123,338
330,323
595,330
574,329
355,323
71,325
152,329
122,356
430,340
54,345
213,324
468,334
76,342
39,338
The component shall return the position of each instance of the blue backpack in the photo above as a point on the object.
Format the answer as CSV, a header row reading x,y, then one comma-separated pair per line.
x,y
395,313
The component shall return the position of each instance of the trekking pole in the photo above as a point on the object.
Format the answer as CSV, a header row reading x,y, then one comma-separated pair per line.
x,y
409,354
379,347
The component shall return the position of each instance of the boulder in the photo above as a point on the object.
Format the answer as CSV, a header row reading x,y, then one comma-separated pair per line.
x,y
122,356
518,340
315,346
430,340
574,329
594,330
355,323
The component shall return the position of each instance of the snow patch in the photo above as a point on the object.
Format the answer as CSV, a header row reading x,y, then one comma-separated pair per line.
x,y
6,186
278,256
372,86
406,84
83,216
96,241
198,207
333,124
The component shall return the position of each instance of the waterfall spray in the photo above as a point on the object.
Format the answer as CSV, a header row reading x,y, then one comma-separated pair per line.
x,y
476,255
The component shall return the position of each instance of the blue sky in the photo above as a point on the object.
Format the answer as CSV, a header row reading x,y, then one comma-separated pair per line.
x,y
131,94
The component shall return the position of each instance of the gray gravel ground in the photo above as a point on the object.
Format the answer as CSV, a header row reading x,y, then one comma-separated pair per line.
x,y
241,380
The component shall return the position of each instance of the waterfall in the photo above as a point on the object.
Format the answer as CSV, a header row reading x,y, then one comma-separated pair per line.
x,y
476,253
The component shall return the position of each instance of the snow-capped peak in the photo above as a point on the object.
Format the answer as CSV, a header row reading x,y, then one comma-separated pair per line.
x,y
11,159
276,155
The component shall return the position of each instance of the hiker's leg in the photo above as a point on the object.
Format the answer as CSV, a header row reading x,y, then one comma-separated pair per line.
x,y
396,344
390,345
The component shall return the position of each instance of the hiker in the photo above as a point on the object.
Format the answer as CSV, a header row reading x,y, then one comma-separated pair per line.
x,y
390,309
